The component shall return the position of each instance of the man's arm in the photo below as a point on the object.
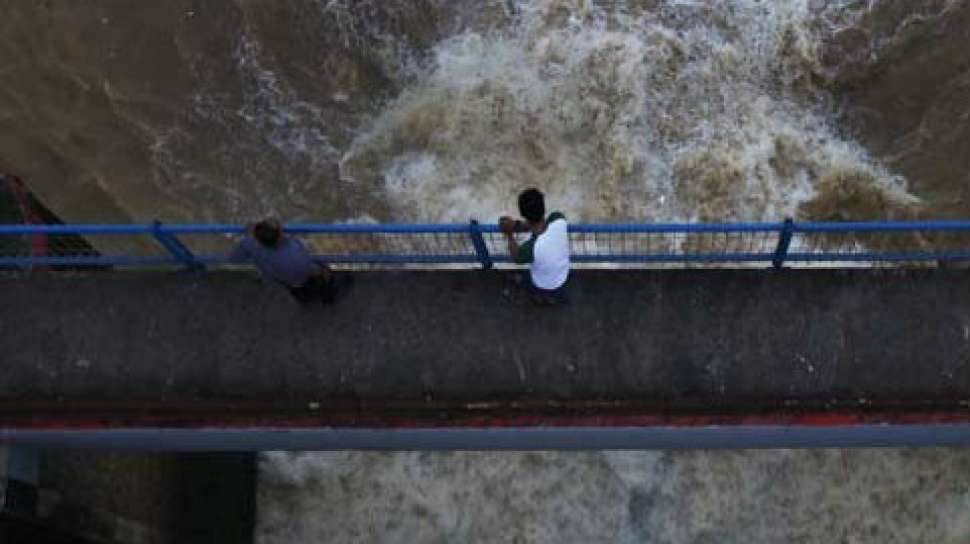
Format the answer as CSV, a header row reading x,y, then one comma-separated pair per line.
x,y
520,253
320,267
513,245
520,226
507,224
239,253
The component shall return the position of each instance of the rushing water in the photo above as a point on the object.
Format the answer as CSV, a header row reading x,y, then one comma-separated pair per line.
x,y
687,111
823,496
658,110
619,110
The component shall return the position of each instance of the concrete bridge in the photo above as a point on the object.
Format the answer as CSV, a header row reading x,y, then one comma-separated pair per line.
x,y
678,358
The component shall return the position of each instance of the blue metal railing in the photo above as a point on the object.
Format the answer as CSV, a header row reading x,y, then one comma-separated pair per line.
x,y
477,245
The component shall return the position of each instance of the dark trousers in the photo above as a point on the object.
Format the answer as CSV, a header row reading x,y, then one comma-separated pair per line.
x,y
546,297
317,288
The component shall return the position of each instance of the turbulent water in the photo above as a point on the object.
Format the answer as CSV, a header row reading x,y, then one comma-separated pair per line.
x,y
812,496
338,110
683,111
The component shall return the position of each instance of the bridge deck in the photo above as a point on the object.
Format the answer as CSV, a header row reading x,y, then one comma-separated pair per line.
x,y
432,349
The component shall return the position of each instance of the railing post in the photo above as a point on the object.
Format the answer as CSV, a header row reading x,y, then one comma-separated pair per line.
x,y
479,242
784,241
176,247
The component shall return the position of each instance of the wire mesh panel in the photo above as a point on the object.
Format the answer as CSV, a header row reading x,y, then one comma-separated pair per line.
x,y
392,248
210,245
497,245
874,244
78,247
473,246
18,245
658,245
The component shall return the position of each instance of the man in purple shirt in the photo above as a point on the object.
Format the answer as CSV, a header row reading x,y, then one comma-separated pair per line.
x,y
287,261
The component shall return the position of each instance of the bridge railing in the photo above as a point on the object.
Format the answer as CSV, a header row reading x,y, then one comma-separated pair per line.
x,y
474,245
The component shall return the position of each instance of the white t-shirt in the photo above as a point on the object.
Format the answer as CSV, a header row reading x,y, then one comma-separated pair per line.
x,y
548,254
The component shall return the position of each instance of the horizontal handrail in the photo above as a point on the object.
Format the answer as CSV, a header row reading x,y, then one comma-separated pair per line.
x,y
474,243
75,229
431,228
884,226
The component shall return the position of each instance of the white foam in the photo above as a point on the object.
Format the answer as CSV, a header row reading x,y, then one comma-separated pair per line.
x,y
879,495
292,126
599,109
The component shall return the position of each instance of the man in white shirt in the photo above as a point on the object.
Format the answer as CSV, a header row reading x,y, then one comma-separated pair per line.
x,y
546,251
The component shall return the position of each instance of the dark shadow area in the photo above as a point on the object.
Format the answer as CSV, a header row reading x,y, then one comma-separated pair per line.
x,y
132,498
16,530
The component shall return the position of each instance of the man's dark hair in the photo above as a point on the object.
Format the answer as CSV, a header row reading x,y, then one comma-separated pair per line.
x,y
532,205
267,232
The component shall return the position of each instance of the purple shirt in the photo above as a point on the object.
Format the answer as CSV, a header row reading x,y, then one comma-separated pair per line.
x,y
289,262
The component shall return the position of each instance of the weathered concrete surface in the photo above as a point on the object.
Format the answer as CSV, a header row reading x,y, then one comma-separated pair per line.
x,y
673,340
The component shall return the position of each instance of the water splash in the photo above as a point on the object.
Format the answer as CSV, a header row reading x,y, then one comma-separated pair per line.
x,y
880,495
687,111
291,125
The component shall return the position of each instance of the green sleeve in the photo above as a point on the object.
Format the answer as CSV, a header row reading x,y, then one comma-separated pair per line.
x,y
555,215
525,256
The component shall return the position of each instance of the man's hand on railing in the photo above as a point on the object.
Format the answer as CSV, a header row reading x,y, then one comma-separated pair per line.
x,y
506,224
509,225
